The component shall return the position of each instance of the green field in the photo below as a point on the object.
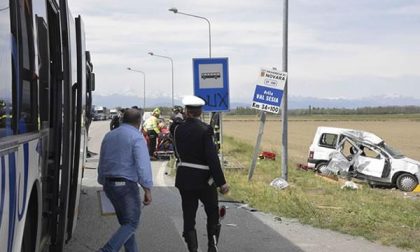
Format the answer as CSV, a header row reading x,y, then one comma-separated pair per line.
x,y
384,215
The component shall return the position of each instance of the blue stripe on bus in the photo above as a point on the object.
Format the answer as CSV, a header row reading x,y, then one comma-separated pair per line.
x,y
12,204
3,187
25,180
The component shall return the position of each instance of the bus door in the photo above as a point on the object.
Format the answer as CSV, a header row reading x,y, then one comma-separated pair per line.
x,y
79,130
66,117
52,188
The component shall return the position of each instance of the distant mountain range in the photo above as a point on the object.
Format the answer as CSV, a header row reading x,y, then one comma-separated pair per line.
x,y
295,102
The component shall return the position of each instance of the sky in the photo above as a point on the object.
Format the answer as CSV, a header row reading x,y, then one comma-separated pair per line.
x,y
336,49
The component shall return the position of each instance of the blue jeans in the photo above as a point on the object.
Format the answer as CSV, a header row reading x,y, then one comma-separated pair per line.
x,y
125,197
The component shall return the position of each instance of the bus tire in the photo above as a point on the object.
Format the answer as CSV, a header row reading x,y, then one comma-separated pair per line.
x,y
29,233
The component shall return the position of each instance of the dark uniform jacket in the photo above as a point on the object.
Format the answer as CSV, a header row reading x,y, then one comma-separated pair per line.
x,y
194,144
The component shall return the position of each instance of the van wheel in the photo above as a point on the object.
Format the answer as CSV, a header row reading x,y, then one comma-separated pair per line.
x,y
322,168
406,182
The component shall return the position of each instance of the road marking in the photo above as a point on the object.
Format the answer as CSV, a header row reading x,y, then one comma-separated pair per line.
x,y
160,176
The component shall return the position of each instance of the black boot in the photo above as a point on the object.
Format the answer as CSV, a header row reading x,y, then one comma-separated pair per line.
x,y
191,240
213,232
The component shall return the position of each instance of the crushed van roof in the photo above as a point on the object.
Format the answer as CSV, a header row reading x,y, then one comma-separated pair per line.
x,y
358,135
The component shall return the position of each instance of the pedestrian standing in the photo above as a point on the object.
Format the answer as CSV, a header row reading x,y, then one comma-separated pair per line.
x,y
116,120
177,114
123,165
199,173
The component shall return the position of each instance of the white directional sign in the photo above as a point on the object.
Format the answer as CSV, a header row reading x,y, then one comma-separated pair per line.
x,y
269,90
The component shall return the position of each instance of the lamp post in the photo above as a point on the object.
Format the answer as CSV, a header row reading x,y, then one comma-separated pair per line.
x,y
284,156
144,84
172,65
175,10
212,114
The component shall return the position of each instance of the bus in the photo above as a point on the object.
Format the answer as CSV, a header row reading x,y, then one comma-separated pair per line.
x,y
46,85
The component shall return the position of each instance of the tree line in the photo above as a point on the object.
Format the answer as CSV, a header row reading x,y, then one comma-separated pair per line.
x,y
337,111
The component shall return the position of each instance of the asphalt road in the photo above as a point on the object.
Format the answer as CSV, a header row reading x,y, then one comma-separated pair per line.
x,y
161,223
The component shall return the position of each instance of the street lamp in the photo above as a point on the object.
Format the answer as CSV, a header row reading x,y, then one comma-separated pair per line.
x,y
175,11
172,65
144,84
212,114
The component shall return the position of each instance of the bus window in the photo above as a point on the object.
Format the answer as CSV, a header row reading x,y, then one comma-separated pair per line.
x,y
28,118
44,72
6,128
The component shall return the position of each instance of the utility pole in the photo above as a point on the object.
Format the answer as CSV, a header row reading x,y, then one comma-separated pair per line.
x,y
284,156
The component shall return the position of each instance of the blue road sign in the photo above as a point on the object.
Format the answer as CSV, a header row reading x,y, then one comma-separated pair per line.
x,y
269,91
211,83
267,99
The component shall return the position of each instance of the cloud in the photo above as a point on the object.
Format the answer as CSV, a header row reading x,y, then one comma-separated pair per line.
x,y
331,43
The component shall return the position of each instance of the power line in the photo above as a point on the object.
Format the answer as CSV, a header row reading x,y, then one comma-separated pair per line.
x,y
5,8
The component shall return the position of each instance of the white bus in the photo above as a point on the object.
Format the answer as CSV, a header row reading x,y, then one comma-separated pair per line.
x,y
46,82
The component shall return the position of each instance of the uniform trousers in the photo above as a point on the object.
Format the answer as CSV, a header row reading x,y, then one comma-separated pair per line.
x,y
208,196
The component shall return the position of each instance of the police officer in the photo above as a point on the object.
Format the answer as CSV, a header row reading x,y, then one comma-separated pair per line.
x,y
199,172
177,113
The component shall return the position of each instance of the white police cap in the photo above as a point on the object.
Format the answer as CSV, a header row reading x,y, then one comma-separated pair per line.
x,y
193,101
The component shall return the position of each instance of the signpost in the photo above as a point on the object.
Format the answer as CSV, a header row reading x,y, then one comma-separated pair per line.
x,y
211,83
269,90
267,98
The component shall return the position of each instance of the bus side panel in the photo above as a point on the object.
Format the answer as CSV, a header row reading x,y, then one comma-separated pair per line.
x,y
7,199
27,172
20,169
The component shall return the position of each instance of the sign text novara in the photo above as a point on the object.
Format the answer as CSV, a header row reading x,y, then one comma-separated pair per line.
x,y
269,90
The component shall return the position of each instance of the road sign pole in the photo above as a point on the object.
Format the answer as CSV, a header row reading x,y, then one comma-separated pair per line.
x,y
284,155
257,145
221,139
211,83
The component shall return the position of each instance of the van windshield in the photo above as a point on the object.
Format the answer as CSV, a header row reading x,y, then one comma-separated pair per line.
x,y
393,152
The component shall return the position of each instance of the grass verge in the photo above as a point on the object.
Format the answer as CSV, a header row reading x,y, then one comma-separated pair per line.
x,y
376,214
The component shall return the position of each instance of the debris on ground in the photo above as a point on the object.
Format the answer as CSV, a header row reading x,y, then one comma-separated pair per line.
x,y
329,207
247,207
301,166
231,163
279,183
267,155
350,185
330,178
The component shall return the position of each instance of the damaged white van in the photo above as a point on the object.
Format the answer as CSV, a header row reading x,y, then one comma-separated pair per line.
x,y
362,155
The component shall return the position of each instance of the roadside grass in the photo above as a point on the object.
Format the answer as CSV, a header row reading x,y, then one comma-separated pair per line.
x,y
380,215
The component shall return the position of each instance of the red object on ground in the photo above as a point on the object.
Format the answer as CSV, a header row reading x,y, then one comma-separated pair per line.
x,y
222,211
268,155
302,166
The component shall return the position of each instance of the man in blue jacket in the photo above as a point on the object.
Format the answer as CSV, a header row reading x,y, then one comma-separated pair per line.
x,y
124,164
